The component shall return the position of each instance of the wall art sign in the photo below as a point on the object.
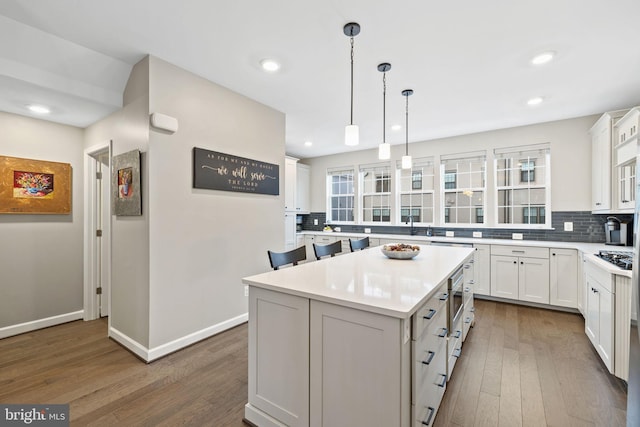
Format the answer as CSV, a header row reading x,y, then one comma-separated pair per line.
x,y
30,186
126,199
220,171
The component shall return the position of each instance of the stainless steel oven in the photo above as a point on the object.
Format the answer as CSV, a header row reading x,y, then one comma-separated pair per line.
x,y
456,297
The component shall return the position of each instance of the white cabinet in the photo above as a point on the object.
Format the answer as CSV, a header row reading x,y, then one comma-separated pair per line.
x,y
482,270
468,313
563,275
601,147
303,186
625,137
519,272
599,320
290,173
582,284
290,239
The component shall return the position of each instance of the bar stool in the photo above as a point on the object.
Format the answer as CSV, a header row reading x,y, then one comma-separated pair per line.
x,y
358,244
330,249
278,259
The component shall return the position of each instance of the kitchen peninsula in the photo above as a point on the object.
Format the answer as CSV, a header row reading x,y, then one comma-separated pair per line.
x,y
344,341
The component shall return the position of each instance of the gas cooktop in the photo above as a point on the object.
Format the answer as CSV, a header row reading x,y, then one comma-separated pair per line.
x,y
622,259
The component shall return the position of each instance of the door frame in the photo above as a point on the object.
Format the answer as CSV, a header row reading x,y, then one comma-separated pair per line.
x,y
91,299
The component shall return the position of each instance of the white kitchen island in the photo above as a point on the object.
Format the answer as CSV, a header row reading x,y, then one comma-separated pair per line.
x,y
343,341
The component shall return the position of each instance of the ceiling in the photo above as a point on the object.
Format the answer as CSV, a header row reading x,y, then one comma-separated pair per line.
x,y
468,62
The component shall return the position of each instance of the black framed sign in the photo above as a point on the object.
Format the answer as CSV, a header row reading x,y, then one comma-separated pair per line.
x,y
219,171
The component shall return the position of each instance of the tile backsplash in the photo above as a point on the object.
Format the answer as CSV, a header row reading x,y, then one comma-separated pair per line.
x,y
587,227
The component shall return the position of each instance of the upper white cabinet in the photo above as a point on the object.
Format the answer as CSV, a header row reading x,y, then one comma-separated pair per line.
x,y
601,148
290,175
303,185
625,138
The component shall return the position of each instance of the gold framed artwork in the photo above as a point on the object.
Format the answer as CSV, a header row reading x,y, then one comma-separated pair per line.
x,y
30,186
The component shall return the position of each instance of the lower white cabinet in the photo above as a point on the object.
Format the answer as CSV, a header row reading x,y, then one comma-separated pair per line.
x,y
599,320
563,277
520,273
482,270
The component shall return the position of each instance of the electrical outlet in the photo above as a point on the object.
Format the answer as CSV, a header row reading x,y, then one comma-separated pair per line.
x,y
315,221
367,230
477,234
568,226
449,233
516,236
337,229
246,290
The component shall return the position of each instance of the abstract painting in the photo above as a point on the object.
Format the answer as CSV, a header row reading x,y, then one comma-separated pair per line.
x,y
127,196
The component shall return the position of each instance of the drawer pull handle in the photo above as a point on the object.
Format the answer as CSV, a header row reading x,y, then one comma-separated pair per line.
x,y
467,320
444,381
456,353
517,252
430,358
430,315
473,309
444,297
458,334
471,261
443,333
467,266
428,420
472,282
467,289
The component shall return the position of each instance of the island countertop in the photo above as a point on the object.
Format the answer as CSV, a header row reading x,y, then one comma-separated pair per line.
x,y
368,280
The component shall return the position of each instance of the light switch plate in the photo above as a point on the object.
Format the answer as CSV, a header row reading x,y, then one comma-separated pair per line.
x,y
315,221
568,226
516,236
367,230
449,233
477,234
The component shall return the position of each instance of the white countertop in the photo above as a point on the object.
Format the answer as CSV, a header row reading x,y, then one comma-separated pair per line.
x,y
368,280
589,249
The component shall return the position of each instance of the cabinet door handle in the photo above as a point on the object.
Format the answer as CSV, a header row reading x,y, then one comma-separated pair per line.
x,y
430,358
624,201
428,420
515,262
521,262
444,381
598,203
430,315
553,254
444,297
443,333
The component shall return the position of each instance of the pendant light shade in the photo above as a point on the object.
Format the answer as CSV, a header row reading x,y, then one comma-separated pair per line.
x,y
406,159
384,149
351,131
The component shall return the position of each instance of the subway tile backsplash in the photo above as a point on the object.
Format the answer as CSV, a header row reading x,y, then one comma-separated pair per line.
x,y
587,227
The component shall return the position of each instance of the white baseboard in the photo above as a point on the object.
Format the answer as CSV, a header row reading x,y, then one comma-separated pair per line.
x,y
21,328
149,355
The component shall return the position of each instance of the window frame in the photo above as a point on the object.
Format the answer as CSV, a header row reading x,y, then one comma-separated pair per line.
x,y
417,167
445,169
329,194
382,173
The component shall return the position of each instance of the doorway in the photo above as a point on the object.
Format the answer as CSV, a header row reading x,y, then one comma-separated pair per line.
x,y
97,263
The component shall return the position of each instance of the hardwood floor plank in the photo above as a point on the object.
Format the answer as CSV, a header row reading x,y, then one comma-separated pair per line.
x,y
488,410
492,378
531,393
510,396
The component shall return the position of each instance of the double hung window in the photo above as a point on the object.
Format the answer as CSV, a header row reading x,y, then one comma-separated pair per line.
x,y
522,184
375,182
340,192
416,188
463,188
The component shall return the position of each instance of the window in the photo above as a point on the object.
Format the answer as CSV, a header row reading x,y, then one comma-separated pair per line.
x,y
522,177
340,193
463,188
415,191
375,182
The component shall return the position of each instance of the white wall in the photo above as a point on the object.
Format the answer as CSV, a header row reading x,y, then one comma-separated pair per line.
x,y
570,158
41,255
129,130
202,242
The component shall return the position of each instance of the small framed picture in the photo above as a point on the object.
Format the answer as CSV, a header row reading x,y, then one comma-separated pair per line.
x,y
126,191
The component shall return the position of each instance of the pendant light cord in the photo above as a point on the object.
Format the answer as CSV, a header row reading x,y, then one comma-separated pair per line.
x,y
384,107
351,122
406,127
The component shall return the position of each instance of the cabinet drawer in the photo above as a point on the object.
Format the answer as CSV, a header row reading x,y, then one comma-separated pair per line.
x,y
323,240
520,251
433,334
429,311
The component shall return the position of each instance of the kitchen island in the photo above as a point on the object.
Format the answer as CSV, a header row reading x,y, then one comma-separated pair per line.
x,y
343,341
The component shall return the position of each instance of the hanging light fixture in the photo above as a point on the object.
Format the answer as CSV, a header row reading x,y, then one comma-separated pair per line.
x,y
351,131
406,159
384,149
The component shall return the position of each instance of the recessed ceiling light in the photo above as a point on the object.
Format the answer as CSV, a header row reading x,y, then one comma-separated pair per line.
x,y
270,65
38,109
308,143
543,58
535,101
396,127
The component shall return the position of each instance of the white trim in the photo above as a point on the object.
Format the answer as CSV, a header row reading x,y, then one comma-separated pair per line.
x,y
33,325
149,355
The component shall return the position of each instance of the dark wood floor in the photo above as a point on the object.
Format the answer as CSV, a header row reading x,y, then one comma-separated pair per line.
x,y
520,366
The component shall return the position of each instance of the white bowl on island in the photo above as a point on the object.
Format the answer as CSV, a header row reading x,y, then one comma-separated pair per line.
x,y
400,250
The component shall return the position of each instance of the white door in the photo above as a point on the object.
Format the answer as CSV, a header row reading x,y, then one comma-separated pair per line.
x,y
534,280
504,276
103,216
564,278
592,319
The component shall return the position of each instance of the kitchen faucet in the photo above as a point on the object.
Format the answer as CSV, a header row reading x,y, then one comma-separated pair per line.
x,y
412,230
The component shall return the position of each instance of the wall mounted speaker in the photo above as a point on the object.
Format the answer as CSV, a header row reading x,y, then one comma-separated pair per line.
x,y
164,122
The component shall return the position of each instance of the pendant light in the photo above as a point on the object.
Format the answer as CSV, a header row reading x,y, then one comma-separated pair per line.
x,y
384,149
351,131
406,159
